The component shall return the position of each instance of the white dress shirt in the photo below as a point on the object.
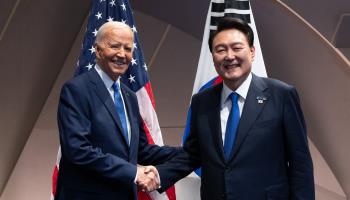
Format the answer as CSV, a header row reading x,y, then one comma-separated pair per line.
x,y
108,83
226,103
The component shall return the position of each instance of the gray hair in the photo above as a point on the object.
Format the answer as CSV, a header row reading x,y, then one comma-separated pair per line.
x,y
109,26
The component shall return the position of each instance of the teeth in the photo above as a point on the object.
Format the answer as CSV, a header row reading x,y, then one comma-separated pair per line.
x,y
119,63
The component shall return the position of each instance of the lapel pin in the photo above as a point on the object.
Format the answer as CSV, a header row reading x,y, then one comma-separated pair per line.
x,y
261,99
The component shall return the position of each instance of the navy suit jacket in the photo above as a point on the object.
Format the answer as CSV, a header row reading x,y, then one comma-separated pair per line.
x,y
270,158
97,162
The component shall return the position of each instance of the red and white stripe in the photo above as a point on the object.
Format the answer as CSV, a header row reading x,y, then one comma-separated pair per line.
x,y
151,125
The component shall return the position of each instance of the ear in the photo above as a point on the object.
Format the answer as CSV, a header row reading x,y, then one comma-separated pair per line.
x,y
97,50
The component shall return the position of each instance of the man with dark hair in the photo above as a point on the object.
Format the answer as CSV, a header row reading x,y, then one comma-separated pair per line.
x,y
248,134
229,23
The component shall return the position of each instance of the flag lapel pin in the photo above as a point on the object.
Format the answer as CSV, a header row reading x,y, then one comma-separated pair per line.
x,y
261,99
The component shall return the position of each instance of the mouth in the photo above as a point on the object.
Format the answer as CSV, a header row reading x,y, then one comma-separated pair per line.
x,y
118,62
228,66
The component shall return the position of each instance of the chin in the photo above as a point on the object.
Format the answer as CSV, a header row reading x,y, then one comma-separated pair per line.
x,y
233,75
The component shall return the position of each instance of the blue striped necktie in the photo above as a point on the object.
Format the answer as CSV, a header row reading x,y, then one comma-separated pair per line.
x,y
118,102
231,126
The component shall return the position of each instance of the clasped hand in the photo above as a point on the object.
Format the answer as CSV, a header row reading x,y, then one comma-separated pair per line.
x,y
147,178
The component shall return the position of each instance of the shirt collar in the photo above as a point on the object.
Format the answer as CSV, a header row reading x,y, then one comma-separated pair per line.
x,y
105,78
242,90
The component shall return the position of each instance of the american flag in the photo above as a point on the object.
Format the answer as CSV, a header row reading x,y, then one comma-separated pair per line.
x,y
136,78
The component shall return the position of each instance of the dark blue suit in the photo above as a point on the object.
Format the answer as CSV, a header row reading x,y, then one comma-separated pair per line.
x,y
270,159
97,163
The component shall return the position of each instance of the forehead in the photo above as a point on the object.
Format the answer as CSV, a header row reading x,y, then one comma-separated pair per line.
x,y
118,34
230,36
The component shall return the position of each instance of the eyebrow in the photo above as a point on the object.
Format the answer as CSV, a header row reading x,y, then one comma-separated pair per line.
x,y
225,44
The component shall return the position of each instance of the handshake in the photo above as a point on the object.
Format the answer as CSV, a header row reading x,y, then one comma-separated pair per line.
x,y
147,178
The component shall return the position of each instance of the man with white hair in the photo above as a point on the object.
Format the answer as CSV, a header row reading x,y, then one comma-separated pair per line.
x,y
101,131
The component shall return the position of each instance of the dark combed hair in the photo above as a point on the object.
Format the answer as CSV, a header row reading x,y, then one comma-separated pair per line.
x,y
232,23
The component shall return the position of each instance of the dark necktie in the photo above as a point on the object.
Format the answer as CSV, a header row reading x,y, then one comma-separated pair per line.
x,y
231,126
118,102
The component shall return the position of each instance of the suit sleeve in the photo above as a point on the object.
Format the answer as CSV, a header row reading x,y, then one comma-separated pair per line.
x,y
300,169
75,130
150,154
187,159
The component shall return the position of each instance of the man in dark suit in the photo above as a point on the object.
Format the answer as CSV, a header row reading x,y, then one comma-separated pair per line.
x,y
248,134
101,133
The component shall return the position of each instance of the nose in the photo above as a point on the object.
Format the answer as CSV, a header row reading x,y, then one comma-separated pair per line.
x,y
120,53
230,55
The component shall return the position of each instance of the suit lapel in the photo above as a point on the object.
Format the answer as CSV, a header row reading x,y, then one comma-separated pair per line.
x,y
251,110
214,119
105,97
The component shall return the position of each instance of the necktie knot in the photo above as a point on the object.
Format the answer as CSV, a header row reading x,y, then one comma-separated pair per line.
x,y
115,87
234,97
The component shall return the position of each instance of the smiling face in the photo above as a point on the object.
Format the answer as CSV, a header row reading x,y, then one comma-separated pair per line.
x,y
232,57
114,50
